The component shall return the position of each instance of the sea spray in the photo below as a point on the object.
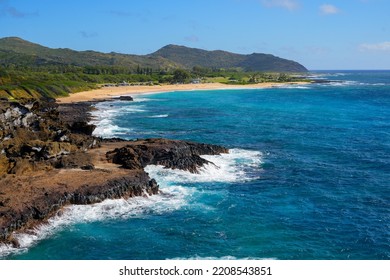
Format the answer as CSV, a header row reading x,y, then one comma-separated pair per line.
x,y
159,116
170,199
231,167
105,115
237,165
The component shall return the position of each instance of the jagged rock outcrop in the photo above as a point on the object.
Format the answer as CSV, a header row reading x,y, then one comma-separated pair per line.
x,y
76,116
172,154
43,203
125,98
33,136
48,159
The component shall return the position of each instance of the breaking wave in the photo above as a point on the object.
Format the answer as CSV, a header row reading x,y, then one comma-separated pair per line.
x,y
170,199
104,117
237,165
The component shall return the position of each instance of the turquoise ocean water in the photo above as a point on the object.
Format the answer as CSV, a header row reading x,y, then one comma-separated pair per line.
x,y
307,177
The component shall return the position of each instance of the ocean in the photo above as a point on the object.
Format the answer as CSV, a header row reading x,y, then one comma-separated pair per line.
x,y
307,177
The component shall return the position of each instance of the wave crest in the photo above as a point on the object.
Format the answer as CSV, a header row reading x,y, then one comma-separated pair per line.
x,y
237,165
170,199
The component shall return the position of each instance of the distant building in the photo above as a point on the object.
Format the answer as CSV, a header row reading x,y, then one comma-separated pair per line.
x,y
196,81
123,84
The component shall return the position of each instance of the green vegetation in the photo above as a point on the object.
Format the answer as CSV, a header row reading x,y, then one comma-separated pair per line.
x,y
16,51
29,70
54,81
245,78
51,81
191,57
27,83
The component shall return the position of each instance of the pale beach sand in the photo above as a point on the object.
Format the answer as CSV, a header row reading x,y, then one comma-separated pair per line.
x,y
110,92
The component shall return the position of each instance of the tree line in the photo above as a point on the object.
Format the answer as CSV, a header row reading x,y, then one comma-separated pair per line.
x,y
58,80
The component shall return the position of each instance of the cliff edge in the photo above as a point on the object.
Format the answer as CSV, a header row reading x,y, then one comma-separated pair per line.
x,y
49,159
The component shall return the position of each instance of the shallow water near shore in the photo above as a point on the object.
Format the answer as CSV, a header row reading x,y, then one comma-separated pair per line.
x,y
307,177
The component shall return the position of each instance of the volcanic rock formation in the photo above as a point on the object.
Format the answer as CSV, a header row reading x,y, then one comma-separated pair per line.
x,y
49,159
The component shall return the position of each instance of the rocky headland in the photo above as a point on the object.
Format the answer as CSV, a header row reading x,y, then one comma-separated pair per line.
x,y
49,159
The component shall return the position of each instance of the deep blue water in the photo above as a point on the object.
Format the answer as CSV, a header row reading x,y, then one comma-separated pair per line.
x,y
307,178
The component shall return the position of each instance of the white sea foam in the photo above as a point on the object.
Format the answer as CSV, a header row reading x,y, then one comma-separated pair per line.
x,y
237,165
135,108
337,74
170,199
144,99
141,99
292,86
324,75
316,76
6,250
105,115
159,116
232,167
350,83
379,84
106,129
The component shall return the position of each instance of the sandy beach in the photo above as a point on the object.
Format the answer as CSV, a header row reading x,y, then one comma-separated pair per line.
x,y
110,92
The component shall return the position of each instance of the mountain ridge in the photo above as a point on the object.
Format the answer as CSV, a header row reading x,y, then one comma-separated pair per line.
x,y
17,51
191,57
40,55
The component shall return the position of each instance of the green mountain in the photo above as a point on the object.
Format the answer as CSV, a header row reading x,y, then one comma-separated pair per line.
x,y
29,70
17,51
190,57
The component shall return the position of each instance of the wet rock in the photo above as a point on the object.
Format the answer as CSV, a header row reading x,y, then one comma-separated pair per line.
x,y
75,112
48,202
82,128
48,159
125,98
172,154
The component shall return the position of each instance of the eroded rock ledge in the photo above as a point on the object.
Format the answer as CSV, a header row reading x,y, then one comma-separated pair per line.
x,y
172,154
48,159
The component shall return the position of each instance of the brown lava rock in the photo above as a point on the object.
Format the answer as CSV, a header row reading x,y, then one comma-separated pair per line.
x,y
48,159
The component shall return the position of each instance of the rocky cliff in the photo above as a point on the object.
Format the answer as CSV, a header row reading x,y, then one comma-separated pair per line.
x,y
49,159
33,137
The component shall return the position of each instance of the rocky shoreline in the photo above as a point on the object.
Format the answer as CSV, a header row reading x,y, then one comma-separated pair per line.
x,y
49,159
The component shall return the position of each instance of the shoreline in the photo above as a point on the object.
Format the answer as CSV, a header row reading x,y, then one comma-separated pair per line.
x,y
104,93
50,189
69,166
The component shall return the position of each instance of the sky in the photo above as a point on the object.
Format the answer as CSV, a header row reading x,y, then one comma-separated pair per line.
x,y
320,34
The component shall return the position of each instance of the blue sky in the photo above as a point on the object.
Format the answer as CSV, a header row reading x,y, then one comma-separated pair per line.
x,y
328,34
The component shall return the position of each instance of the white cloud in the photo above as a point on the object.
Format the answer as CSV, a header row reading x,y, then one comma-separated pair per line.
x,y
384,47
328,9
285,4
